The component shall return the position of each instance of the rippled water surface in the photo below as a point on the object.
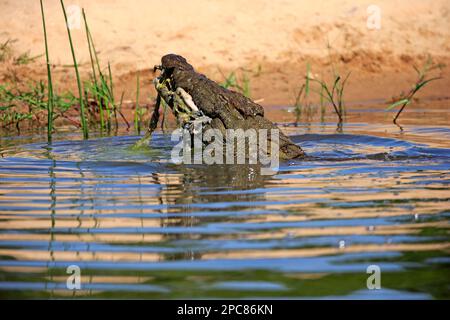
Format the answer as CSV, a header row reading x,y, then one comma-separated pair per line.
x,y
139,226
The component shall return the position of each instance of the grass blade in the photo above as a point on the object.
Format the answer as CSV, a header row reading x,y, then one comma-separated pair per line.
x,y
80,90
137,122
423,83
308,69
49,79
94,76
398,103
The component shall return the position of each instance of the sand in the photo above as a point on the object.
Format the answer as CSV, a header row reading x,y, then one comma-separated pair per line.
x,y
272,40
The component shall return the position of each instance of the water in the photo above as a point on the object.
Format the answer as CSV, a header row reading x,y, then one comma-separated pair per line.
x,y
139,226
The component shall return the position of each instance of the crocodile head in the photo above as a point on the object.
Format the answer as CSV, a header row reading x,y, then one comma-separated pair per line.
x,y
193,98
171,61
180,102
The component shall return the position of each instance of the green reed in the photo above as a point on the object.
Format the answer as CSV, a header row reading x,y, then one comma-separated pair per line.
x,y
102,91
302,98
84,126
137,112
334,93
421,82
49,80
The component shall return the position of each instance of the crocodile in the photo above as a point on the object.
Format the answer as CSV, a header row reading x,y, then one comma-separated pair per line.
x,y
194,98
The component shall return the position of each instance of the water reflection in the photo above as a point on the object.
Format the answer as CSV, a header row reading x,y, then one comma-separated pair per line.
x,y
140,226
193,188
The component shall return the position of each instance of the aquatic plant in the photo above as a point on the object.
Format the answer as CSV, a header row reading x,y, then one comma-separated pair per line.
x,y
298,106
137,112
102,87
422,81
95,96
93,86
322,104
334,93
84,126
302,97
49,81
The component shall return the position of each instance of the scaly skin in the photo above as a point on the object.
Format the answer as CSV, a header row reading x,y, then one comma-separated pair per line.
x,y
225,108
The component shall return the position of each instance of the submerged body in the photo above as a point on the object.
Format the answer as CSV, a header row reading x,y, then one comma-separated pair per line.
x,y
193,97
